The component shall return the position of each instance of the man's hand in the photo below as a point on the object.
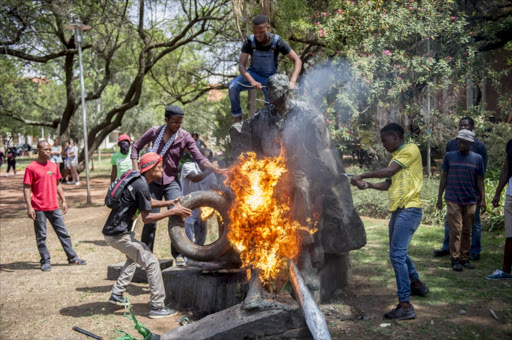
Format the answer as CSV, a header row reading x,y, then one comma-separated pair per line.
x,y
64,208
31,213
178,209
292,85
176,200
483,206
496,201
256,85
359,183
439,204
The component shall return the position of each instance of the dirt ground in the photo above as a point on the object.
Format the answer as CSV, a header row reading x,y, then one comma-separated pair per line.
x,y
46,305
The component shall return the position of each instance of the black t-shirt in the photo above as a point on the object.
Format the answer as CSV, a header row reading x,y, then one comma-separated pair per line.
x,y
281,45
137,198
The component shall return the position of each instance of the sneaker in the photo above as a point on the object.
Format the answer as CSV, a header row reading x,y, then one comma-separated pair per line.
x,y
78,262
116,299
467,264
70,183
474,257
158,313
6,175
77,183
46,267
420,291
441,252
400,313
180,261
457,266
499,275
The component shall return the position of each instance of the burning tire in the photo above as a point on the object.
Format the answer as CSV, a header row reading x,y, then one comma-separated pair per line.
x,y
177,231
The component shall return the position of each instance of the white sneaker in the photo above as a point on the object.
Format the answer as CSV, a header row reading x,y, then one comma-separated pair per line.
x,y
6,175
77,183
71,183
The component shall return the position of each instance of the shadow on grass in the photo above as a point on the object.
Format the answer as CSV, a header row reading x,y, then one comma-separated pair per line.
x,y
100,243
103,308
22,265
131,290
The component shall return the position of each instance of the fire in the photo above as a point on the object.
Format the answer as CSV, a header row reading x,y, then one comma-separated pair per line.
x,y
207,212
262,228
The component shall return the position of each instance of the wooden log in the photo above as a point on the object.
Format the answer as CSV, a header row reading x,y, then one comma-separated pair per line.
x,y
312,314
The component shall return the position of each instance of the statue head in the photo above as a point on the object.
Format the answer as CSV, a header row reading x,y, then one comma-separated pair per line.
x,y
278,86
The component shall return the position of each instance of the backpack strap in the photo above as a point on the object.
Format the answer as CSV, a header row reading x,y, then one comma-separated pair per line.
x,y
274,42
253,41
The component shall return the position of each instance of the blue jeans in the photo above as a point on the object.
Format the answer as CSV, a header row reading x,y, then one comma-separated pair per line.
x,y
168,192
194,230
402,225
476,234
57,222
235,88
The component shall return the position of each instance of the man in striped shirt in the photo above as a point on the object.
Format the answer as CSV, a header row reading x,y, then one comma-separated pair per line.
x,y
463,172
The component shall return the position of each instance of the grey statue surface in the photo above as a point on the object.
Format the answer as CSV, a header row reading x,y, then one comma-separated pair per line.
x,y
322,196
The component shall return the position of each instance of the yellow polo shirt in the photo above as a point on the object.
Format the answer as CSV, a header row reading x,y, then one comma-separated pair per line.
x,y
404,191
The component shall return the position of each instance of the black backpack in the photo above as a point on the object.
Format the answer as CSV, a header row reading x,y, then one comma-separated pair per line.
x,y
115,190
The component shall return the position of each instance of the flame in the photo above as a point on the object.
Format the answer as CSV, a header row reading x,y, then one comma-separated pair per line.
x,y
207,212
262,228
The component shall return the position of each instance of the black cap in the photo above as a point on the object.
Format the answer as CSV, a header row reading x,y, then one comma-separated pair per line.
x,y
173,110
260,19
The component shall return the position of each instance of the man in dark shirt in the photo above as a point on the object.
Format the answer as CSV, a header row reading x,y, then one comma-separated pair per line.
x,y
463,172
264,48
479,148
505,273
117,233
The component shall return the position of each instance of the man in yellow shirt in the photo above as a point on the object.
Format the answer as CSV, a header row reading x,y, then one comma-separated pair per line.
x,y
404,178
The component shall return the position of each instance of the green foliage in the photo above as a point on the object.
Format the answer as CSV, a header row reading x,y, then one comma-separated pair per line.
x,y
495,137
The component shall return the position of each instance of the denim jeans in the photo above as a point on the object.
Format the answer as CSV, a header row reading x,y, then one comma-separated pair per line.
x,y
235,88
169,192
57,222
476,234
194,229
402,225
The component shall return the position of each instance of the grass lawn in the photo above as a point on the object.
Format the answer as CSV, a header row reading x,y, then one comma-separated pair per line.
x,y
450,291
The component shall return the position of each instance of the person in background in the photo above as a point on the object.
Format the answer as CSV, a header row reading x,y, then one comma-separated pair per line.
x,y
199,143
264,48
404,179
193,178
11,161
65,158
73,162
463,180
170,142
121,161
41,186
477,147
56,154
1,160
505,177
117,234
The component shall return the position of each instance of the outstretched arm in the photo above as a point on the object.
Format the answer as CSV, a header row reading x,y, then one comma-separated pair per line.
x,y
178,209
297,66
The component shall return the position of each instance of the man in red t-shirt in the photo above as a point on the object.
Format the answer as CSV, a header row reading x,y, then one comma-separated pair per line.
x,y
41,186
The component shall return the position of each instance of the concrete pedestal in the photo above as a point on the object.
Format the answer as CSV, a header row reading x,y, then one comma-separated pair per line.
x,y
204,291
236,323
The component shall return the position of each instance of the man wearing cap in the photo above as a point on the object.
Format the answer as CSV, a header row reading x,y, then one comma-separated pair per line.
x,y
121,160
117,234
462,178
476,233
264,48
169,142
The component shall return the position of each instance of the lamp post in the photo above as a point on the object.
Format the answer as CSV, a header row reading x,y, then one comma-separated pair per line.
x,y
78,27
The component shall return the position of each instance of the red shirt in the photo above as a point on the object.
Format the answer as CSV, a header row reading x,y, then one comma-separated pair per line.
x,y
43,178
